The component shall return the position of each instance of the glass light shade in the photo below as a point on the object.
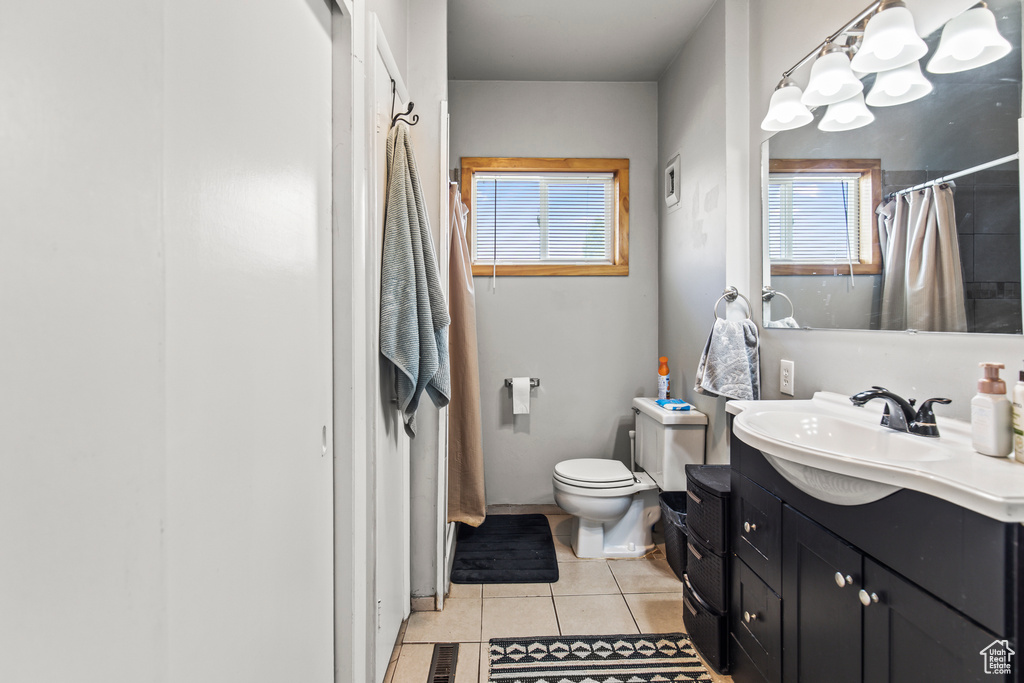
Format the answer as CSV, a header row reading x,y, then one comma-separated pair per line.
x,y
899,86
890,41
846,115
969,41
832,80
785,111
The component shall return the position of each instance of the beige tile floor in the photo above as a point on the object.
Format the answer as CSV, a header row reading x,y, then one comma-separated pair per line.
x,y
591,597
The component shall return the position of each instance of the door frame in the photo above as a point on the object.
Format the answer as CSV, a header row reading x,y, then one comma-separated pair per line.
x,y
357,38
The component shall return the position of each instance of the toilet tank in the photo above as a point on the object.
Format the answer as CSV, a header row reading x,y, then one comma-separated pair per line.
x,y
667,441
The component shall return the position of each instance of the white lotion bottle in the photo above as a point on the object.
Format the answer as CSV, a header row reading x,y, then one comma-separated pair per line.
x,y
991,414
1018,418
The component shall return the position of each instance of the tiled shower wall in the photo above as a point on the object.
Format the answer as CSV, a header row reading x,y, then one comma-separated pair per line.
x,y
988,225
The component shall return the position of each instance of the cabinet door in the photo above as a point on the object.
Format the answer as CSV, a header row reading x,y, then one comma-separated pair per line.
x,y
910,636
757,529
821,610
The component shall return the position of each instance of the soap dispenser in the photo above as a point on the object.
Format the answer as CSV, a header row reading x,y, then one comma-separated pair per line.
x,y
991,428
1018,418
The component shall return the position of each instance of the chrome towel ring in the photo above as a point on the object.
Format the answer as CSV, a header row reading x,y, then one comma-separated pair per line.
x,y
767,294
729,295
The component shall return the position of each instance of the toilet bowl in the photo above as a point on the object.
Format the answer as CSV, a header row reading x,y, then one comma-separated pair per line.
x,y
613,512
614,508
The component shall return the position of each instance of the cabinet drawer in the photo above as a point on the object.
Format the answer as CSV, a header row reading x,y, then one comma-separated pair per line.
x,y
757,529
756,621
707,572
741,668
708,630
707,511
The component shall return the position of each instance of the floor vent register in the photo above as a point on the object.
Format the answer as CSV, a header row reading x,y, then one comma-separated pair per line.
x,y
442,664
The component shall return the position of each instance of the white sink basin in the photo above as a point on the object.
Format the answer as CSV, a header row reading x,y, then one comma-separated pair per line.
x,y
820,432
840,453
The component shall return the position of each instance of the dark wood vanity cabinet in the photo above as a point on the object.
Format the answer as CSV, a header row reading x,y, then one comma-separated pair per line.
x,y
908,589
822,612
911,636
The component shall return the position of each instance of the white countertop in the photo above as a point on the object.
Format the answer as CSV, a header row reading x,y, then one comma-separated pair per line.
x,y
990,486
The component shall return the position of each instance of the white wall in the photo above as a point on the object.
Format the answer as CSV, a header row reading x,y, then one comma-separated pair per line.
x,y
702,117
428,87
165,504
81,336
592,341
914,365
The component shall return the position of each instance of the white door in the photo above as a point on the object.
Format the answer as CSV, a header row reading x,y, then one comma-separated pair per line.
x,y
391,462
246,196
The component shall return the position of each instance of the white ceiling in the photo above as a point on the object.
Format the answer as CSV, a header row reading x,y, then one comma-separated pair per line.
x,y
567,40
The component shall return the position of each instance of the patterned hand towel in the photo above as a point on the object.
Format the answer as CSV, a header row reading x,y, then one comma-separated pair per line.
x,y
788,321
729,365
413,312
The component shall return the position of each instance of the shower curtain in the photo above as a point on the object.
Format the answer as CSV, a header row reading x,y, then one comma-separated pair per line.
x,y
466,502
922,281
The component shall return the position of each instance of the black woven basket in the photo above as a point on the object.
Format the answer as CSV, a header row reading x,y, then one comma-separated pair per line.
x,y
708,506
708,630
707,572
673,522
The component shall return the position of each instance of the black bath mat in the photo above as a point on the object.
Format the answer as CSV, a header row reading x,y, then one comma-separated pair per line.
x,y
506,549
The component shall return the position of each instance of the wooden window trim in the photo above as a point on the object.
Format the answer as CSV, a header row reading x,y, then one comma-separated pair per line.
x,y
619,168
870,167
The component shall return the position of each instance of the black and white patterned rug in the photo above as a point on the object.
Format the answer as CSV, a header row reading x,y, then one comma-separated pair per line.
x,y
634,658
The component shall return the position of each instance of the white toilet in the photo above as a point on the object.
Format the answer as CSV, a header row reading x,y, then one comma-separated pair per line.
x,y
614,509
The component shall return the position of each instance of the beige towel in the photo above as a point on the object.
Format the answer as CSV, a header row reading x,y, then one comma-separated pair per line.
x,y
466,500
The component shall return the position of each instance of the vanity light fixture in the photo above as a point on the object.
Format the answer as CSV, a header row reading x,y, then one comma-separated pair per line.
x,y
832,79
890,40
968,41
846,115
786,111
899,86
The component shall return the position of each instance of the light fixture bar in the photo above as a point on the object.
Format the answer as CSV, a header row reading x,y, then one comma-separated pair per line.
x,y
832,38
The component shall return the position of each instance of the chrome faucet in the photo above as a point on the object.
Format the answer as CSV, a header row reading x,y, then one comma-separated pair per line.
x,y
900,414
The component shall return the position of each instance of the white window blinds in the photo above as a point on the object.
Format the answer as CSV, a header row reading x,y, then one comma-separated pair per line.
x,y
543,217
814,217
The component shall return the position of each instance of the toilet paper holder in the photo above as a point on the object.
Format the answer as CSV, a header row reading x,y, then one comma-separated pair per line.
x,y
534,382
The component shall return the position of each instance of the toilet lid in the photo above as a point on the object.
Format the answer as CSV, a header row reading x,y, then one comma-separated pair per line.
x,y
594,473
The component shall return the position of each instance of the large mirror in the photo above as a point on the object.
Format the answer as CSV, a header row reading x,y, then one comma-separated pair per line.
x,y
825,195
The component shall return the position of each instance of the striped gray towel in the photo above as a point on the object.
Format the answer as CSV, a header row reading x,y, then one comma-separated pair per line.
x,y
413,312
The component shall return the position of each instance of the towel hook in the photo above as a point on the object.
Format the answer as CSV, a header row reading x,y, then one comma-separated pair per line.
x,y
729,295
767,294
395,118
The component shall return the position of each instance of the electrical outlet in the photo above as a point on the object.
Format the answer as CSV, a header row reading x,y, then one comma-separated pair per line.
x,y
786,370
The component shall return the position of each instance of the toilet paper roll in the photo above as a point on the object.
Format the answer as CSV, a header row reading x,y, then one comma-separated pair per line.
x,y
520,395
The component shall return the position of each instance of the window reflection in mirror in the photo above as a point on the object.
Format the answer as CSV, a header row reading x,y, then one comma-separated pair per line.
x,y
969,119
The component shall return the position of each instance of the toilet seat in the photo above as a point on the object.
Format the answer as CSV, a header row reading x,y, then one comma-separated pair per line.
x,y
594,473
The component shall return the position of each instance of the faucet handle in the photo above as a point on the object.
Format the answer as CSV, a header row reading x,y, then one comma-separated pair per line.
x,y
926,406
924,423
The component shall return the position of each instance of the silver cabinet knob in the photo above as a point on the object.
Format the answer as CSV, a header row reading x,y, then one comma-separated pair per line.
x,y
843,581
748,617
867,598
748,527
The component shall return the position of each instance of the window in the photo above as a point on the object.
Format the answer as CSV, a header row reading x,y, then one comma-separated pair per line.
x,y
548,216
821,216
